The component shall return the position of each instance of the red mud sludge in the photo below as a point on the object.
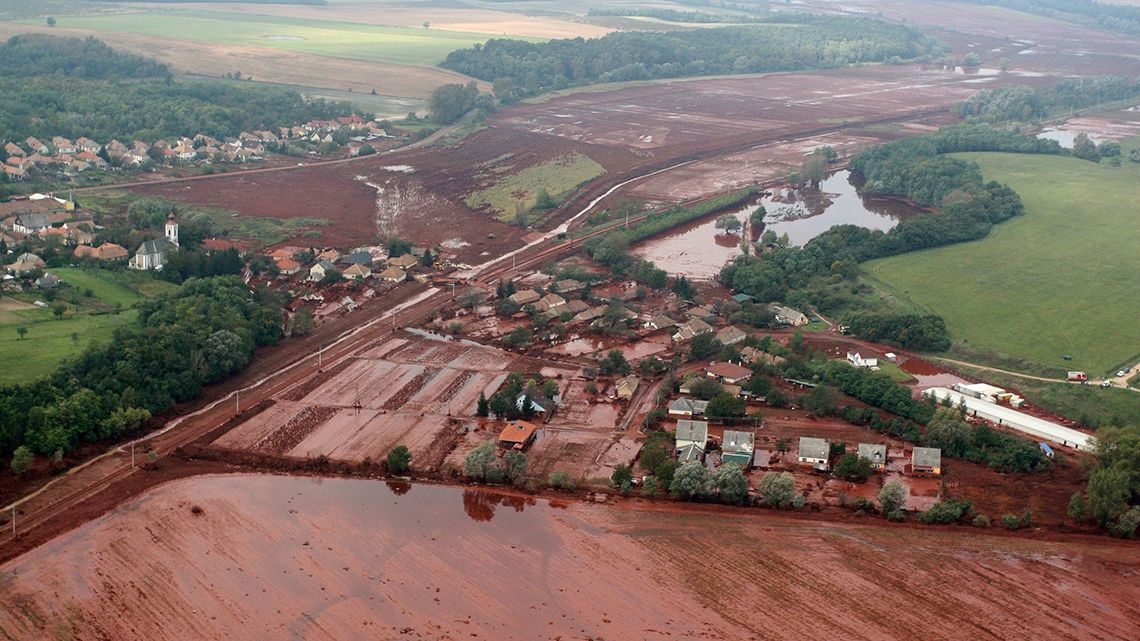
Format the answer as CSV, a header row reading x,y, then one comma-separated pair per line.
x,y
274,557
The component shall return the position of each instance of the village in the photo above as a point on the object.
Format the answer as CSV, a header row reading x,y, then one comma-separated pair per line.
x,y
62,158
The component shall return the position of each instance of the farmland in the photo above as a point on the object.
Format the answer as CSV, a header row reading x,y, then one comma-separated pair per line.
x,y
179,561
1059,280
519,190
49,340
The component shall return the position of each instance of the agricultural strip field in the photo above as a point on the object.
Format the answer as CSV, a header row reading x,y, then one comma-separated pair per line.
x,y
330,558
1059,280
374,43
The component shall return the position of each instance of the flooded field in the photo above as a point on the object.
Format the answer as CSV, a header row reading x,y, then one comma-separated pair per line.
x,y
269,557
699,249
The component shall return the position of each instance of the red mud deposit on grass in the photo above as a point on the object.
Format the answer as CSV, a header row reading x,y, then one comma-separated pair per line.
x,y
298,558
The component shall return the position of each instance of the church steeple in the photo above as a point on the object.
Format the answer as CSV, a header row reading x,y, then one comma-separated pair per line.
x,y
172,228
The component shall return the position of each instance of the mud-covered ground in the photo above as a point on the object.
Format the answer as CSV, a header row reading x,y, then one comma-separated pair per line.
x,y
269,557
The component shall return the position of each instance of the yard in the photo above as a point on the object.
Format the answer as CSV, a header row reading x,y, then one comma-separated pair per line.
x,y
1060,280
88,319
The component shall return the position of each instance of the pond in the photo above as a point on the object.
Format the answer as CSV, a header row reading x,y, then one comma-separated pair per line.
x,y
699,249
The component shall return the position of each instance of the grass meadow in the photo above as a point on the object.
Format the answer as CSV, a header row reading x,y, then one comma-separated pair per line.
x,y
1062,279
558,177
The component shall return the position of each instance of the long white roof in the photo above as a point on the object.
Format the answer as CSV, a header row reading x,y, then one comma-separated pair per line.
x,y
1020,421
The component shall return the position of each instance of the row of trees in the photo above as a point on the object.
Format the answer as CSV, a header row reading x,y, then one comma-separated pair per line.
x,y
1112,498
204,332
37,54
792,41
1022,103
1121,18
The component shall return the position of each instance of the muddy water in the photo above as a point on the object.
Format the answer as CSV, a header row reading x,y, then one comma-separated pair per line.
x,y
699,249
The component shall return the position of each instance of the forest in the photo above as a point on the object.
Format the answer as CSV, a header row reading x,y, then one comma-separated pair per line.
x,y
784,42
127,97
204,332
1026,104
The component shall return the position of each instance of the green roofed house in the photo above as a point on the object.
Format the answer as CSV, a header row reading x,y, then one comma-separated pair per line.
x,y
876,453
737,447
926,460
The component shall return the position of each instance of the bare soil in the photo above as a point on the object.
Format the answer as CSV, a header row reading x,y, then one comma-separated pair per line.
x,y
240,557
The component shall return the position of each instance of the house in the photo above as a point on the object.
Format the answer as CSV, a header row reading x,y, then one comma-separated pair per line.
x,y
695,327
728,373
358,272
737,447
754,355
660,322
185,153
31,223
281,253
688,407
320,270
106,251
926,460
152,254
549,303
730,335
524,297
15,173
91,159
23,267
288,266
32,259
692,433
742,298
47,281
405,262
876,453
701,312
814,452
393,274
856,359
330,255
64,146
358,258
575,307
539,403
13,150
36,146
517,435
87,145
219,245
788,316
626,387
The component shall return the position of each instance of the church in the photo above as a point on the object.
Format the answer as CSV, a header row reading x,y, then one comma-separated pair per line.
x,y
152,253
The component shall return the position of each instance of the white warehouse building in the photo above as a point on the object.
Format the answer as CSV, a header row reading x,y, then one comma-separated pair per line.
x,y
1013,419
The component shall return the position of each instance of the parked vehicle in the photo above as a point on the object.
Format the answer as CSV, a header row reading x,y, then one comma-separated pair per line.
x,y
1078,376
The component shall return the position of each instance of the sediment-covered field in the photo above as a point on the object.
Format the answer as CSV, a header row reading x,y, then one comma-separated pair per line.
x,y
264,557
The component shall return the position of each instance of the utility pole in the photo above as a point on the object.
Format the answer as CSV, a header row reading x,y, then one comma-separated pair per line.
x,y
132,455
237,402
13,521
320,356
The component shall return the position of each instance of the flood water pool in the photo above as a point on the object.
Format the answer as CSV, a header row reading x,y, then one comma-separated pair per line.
x,y
699,249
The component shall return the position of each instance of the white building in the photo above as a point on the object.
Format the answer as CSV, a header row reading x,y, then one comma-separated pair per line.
x,y
1013,419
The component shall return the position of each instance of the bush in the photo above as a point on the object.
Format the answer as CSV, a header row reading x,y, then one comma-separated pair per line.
x,y
892,497
399,459
692,482
1125,526
731,484
1011,521
480,462
649,487
981,520
851,466
561,481
622,475
951,511
778,489
22,459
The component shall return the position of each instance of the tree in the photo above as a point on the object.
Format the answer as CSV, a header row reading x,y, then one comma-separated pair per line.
x,y
729,223
731,484
544,200
726,406
821,401
501,405
1109,491
757,218
691,481
614,363
948,431
483,407
704,345
50,21
397,247
332,276
74,338
851,466
972,59
650,487
399,459
622,478
1125,527
892,497
1084,148
683,288
58,309
303,322
1077,507
426,24
797,342
561,480
814,168
22,459
514,466
480,461
706,389
22,331
450,102
652,456
768,238
777,489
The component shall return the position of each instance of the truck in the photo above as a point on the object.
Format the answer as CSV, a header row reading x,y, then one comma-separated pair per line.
x,y
1078,376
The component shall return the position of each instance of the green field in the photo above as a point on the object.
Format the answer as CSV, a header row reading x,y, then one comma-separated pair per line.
x,y
398,45
50,341
558,177
1062,279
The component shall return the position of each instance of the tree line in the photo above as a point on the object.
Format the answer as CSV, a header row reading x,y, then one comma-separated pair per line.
x,y
59,93
1120,18
672,15
785,42
1026,104
203,333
